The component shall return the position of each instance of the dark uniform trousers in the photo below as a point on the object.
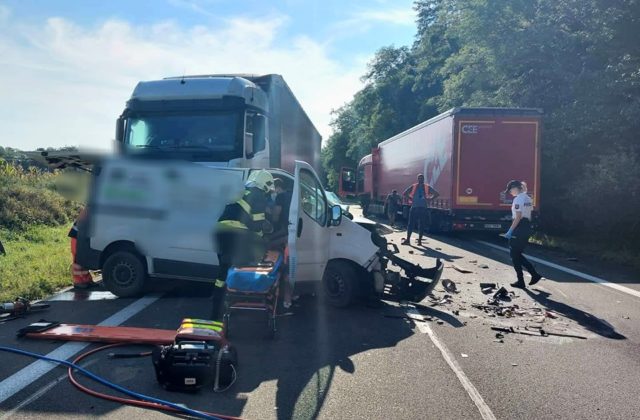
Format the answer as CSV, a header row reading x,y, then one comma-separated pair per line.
x,y
517,244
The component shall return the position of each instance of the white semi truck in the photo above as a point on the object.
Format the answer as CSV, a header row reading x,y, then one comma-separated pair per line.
x,y
237,121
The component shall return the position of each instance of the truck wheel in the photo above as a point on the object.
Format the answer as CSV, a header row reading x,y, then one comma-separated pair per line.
x,y
124,274
340,284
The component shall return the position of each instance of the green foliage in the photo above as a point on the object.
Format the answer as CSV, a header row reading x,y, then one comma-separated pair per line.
x,y
578,60
28,197
37,262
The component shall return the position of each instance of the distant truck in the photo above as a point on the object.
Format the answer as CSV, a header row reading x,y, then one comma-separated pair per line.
x,y
467,154
243,121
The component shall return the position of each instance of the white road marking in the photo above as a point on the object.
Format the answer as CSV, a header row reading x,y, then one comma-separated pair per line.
x,y
26,376
473,393
36,395
585,276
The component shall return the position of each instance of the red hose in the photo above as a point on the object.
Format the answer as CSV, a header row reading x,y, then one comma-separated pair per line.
x,y
127,401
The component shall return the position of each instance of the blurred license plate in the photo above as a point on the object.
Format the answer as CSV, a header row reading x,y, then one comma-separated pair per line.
x,y
492,226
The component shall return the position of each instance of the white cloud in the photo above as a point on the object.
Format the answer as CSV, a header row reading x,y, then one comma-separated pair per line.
x,y
200,7
65,84
404,16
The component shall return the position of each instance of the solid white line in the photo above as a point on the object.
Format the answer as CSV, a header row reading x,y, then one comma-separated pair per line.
x,y
26,376
36,395
585,276
475,396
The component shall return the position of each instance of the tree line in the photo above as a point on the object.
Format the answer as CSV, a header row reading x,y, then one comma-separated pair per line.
x,y
578,60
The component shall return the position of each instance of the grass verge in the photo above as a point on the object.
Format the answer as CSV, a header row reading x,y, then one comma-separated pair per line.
x,y
37,262
616,253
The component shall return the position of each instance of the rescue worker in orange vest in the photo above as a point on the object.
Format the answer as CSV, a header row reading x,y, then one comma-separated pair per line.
x,y
419,196
81,278
240,231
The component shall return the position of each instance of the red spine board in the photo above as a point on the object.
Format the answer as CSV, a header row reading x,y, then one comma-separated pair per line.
x,y
100,334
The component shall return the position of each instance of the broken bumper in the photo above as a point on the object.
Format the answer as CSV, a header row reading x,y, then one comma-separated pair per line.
x,y
412,283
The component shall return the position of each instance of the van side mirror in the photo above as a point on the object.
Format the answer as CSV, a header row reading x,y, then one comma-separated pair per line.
x,y
336,215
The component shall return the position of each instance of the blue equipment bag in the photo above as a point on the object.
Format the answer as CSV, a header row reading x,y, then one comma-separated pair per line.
x,y
256,279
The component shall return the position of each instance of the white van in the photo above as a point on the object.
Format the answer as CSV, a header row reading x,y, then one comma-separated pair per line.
x,y
149,218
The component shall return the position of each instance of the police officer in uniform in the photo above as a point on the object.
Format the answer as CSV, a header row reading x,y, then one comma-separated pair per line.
x,y
520,231
240,231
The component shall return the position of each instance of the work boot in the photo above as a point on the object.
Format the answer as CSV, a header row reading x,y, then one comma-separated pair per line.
x,y
534,279
519,284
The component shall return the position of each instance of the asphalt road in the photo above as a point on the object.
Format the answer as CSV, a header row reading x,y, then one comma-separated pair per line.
x,y
374,362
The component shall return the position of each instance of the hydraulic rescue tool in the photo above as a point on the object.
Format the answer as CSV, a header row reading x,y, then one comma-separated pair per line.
x,y
19,308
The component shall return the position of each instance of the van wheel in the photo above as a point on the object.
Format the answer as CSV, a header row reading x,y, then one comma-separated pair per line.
x,y
124,274
340,284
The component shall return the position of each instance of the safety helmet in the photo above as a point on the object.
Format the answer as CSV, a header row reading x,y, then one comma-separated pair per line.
x,y
260,179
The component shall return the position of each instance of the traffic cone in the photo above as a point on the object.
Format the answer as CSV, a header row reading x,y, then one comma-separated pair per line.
x,y
81,277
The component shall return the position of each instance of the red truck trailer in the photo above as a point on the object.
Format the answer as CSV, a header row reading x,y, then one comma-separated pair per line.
x,y
468,155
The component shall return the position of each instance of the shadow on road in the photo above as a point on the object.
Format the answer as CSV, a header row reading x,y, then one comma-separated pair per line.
x,y
433,253
312,343
585,319
435,313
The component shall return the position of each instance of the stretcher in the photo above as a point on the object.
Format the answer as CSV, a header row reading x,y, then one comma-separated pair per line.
x,y
254,288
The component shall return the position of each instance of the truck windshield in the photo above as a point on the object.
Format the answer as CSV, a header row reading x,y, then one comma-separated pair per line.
x,y
217,136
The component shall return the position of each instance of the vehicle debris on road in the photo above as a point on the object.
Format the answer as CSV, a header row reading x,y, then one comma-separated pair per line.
x,y
460,269
541,333
450,286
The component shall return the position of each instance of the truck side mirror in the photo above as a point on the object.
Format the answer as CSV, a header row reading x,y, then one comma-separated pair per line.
x,y
248,145
120,129
259,138
336,215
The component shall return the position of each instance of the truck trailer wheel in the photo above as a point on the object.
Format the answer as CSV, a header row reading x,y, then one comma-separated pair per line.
x,y
340,284
124,274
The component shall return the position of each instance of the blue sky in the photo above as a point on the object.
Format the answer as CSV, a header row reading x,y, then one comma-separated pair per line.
x,y
73,64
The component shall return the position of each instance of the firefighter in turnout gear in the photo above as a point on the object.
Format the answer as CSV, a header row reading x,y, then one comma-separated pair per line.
x,y
240,232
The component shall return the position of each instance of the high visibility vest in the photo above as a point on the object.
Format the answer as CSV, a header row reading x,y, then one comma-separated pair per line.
x,y
247,213
414,188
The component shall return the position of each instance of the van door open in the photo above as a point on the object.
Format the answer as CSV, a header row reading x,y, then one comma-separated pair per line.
x,y
308,221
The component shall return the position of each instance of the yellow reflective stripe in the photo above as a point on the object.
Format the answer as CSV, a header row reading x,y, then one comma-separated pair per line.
x,y
234,224
202,321
245,206
257,217
202,327
220,283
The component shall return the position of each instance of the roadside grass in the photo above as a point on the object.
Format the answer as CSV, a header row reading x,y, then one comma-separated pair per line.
x,y
37,262
616,253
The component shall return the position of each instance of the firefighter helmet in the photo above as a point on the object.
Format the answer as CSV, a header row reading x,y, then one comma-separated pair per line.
x,y
260,179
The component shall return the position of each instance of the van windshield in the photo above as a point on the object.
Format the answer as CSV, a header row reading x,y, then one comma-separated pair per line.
x,y
218,135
